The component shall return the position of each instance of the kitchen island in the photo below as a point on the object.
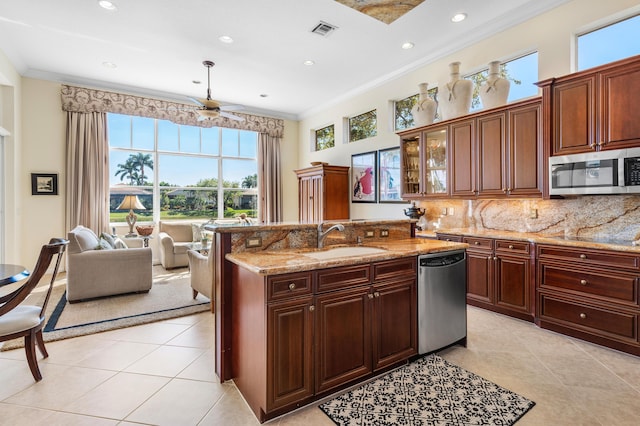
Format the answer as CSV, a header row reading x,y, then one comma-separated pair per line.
x,y
308,322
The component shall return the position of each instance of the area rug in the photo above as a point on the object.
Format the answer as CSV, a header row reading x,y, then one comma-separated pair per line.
x,y
430,391
170,297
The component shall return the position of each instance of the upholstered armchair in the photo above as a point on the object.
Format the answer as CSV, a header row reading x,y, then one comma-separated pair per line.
x,y
175,239
202,273
95,269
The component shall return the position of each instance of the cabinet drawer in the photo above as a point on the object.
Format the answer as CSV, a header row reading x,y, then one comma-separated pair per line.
x,y
602,321
515,247
289,285
339,278
394,269
448,237
476,243
614,285
590,256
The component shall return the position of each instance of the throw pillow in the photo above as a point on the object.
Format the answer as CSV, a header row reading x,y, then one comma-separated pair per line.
x,y
197,232
119,244
103,245
108,238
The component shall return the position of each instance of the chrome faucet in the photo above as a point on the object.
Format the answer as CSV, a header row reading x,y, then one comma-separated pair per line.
x,y
322,235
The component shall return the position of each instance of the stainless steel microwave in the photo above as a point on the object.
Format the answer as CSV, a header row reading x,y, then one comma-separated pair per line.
x,y
603,172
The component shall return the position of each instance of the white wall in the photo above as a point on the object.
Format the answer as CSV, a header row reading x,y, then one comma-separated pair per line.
x,y
551,34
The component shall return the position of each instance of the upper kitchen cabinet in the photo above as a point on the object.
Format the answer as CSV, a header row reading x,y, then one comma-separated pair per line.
x,y
323,193
595,109
424,163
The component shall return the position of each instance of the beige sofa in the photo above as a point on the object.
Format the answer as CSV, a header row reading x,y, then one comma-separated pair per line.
x,y
175,239
202,273
93,272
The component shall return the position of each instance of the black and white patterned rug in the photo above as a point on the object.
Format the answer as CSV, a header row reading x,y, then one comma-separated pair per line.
x,y
430,391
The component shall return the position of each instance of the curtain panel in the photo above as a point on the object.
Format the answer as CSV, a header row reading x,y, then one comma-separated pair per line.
x,y
80,99
87,184
269,179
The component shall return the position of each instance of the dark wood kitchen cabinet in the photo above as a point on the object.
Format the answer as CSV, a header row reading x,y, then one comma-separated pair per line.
x,y
323,193
500,276
595,109
424,172
300,336
590,294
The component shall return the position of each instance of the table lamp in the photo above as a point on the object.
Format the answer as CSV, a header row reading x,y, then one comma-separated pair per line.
x,y
131,202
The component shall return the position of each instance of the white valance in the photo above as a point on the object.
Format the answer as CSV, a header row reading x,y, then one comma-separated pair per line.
x,y
80,99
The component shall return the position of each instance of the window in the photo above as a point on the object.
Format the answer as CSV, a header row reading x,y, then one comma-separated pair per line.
x,y
402,109
522,72
363,126
611,43
181,172
325,138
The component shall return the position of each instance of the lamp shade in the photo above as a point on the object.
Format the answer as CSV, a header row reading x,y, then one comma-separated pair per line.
x,y
130,202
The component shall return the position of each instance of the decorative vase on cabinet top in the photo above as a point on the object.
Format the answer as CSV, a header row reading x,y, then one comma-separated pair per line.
x,y
455,100
495,91
424,111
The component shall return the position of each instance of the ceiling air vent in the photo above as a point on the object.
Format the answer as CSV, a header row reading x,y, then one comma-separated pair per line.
x,y
324,29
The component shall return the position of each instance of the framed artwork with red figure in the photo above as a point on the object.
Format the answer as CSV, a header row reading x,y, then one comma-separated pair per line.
x,y
363,177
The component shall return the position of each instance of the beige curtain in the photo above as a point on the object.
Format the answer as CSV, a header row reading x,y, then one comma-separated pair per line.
x,y
87,171
269,179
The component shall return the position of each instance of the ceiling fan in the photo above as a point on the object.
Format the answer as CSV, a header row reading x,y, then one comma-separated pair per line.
x,y
209,108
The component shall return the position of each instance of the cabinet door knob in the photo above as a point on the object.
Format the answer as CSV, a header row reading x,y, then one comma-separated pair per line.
x,y
477,243
511,246
292,286
376,294
495,258
312,308
583,315
504,189
583,282
490,257
583,256
370,296
592,145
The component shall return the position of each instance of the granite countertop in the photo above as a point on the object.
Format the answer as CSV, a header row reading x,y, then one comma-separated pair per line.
x,y
273,262
603,243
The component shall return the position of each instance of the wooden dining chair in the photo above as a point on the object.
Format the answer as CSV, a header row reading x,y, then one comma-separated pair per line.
x,y
18,320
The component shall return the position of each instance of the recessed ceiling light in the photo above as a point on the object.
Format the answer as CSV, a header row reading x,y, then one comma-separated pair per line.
x,y
108,64
105,4
407,45
196,81
264,95
225,39
458,17
308,62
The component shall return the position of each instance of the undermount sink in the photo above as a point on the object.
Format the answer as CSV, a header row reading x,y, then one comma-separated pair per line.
x,y
344,252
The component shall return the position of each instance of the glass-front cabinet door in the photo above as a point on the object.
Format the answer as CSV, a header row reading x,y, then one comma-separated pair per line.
x,y
411,175
424,164
434,167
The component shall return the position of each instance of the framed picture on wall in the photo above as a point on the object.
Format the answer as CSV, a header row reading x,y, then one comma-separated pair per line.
x,y
363,178
389,176
44,184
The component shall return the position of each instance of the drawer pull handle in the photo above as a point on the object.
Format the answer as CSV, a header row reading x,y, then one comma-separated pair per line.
x,y
511,246
370,296
583,282
583,315
583,256
312,308
477,243
292,286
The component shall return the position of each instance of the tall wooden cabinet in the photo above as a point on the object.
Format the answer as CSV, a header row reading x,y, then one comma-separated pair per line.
x,y
323,193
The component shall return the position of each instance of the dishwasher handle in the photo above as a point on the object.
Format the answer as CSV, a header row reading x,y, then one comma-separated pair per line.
x,y
446,259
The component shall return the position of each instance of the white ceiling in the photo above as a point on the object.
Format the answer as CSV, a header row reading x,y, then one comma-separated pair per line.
x,y
159,45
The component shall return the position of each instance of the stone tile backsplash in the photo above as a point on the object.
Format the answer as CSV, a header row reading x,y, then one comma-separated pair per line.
x,y
612,216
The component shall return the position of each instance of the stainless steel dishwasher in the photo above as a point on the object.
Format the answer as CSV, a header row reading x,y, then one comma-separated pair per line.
x,y
442,300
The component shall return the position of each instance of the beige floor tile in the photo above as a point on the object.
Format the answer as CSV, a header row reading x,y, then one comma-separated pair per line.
x,y
155,333
311,415
195,337
118,356
180,402
166,361
15,377
16,415
201,369
230,410
69,419
60,388
72,351
610,408
117,397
